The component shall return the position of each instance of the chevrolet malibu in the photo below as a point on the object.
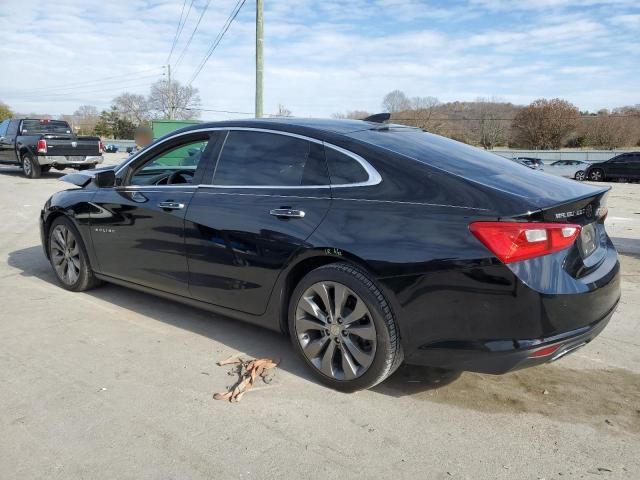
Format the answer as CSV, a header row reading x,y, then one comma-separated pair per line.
x,y
369,244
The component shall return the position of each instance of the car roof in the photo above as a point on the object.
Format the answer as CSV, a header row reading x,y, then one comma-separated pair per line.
x,y
297,125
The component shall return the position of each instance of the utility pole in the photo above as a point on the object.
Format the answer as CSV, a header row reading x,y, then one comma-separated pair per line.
x,y
259,56
170,93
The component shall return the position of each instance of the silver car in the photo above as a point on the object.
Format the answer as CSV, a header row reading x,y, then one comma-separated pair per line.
x,y
575,169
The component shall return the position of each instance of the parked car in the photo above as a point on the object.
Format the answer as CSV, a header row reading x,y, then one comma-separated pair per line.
x,y
39,144
575,169
111,148
367,244
531,162
625,165
131,149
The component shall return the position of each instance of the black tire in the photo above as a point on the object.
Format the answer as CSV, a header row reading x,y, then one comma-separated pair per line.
x,y
387,353
30,166
580,176
83,277
597,175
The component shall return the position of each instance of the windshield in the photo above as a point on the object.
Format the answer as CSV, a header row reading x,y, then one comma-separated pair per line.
x,y
45,126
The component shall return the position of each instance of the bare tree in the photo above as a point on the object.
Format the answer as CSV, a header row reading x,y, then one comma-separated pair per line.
x,y
174,101
545,124
420,112
610,131
85,118
491,126
133,107
396,101
283,111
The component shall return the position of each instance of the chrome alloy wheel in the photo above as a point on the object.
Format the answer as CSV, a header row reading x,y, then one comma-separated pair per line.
x,y
335,330
596,175
27,166
65,254
580,176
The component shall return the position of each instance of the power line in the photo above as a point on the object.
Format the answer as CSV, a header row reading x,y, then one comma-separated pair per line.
x,y
186,47
218,39
175,38
45,96
93,82
81,89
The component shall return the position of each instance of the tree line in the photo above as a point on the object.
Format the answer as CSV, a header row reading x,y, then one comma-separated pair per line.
x,y
129,111
490,122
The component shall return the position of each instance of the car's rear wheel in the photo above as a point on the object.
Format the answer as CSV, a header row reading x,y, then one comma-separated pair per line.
x,y
343,327
580,176
69,258
30,166
597,175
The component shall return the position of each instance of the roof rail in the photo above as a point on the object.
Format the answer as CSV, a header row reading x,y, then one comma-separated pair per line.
x,y
378,118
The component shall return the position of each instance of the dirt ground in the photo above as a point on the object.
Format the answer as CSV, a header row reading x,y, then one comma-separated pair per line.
x,y
114,383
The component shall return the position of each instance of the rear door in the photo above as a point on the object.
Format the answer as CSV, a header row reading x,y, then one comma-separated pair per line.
x,y
8,141
267,194
633,166
617,167
137,227
4,145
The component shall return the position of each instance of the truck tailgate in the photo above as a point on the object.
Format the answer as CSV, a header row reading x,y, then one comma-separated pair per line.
x,y
61,145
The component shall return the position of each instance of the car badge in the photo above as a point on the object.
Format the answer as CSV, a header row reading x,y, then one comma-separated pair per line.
x,y
74,144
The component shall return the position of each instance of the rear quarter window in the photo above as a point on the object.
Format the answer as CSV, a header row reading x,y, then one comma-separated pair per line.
x,y
344,169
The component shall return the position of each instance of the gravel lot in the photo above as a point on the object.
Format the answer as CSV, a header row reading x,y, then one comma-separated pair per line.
x,y
118,384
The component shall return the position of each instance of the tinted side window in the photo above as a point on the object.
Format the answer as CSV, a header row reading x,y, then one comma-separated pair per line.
x,y
269,159
183,158
13,128
344,169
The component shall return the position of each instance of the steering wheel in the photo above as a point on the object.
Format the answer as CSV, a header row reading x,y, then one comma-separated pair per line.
x,y
174,175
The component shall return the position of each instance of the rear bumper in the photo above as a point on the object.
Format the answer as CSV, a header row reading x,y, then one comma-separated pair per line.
x,y
55,160
500,356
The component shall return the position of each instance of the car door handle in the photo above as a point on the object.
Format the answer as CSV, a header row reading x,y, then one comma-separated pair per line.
x,y
171,205
287,213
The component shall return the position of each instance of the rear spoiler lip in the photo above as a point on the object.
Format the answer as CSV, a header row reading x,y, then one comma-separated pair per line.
x,y
600,192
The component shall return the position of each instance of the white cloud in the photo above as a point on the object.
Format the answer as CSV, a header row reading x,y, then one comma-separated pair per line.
x,y
322,57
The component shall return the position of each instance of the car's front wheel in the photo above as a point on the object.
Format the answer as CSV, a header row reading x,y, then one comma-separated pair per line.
x,y
343,328
69,258
597,175
580,176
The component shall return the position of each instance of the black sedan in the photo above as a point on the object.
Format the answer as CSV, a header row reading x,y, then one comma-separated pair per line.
x,y
369,244
623,166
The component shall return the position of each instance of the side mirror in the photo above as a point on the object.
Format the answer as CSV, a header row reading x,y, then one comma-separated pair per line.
x,y
105,179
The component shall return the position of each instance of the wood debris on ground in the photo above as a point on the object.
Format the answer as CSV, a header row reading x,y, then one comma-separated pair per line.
x,y
248,372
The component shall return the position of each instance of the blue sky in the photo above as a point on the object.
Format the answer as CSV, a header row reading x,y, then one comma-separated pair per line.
x,y
323,56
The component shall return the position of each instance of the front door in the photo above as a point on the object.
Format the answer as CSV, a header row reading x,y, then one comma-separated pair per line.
x,y
268,194
137,227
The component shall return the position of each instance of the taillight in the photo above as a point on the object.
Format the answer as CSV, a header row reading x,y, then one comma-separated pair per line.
x,y
42,146
516,241
100,147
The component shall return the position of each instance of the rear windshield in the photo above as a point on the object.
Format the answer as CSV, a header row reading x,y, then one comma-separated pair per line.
x,y
49,126
449,155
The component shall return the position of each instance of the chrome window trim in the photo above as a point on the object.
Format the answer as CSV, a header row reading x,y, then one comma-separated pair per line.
x,y
374,176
